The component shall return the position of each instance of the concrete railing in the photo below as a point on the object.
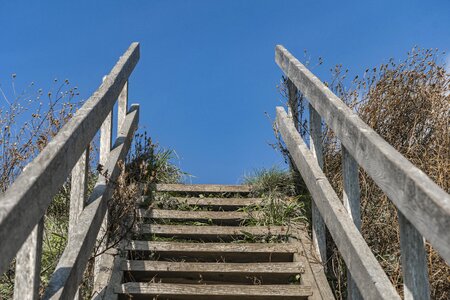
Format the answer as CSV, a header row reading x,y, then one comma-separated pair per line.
x,y
423,207
23,205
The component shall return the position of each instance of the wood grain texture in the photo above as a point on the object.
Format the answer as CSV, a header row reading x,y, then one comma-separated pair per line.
x,y
414,262
78,194
78,190
248,268
203,188
28,266
315,145
106,134
220,203
210,272
215,291
314,275
199,215
106,292
122,106
366,271
351,200
211,232
27,199
420,200
105,275
69,271
210,247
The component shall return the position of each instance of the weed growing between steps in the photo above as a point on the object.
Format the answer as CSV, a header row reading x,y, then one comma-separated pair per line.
x,y
282,205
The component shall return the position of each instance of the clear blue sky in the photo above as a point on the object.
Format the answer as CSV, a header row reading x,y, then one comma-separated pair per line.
x,y
207,72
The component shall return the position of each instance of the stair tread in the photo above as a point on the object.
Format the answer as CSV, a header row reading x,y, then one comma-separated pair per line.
x,y
203,188
209,231
217,267
217,201
192,215
214,290
211,247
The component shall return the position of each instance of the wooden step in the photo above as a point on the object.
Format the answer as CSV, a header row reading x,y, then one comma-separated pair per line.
x,y
207,233
220,203
221,217
140,290
228,252
202,188
183,272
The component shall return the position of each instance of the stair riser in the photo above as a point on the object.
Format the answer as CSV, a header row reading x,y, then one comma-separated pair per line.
x,y
210,278
196,297
247,257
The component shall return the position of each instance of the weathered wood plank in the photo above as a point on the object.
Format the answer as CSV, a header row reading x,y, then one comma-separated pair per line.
x,y
202,188
293,103
78,190
220,203
307,277
314,273
78,193
106,135
27,199
102,291
229,252
315,144
199,215
105,274
248,268
366,271
69,271
215,291
414,263
211,232
351,200
28,266
420,200
156,246
209,272
122,105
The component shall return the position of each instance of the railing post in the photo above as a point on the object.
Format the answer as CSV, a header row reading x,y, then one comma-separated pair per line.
x,y
351,199
315,144
293,103
78,190
28,265
414,262
78,193
105,148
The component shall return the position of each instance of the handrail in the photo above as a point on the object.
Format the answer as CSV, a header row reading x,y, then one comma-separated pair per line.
x,y
362,263
24,203
68,274
421,203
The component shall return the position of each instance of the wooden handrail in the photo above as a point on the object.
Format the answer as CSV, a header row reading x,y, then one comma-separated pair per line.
x,y
422,201
423,207
69,271
23,205
363,265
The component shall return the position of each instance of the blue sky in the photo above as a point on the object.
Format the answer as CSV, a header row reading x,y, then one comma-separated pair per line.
x,y
207,73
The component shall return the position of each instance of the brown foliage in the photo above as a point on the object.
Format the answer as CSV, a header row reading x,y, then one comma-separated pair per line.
x,y
408,104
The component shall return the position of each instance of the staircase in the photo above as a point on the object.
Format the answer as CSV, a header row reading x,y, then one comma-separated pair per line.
x,y
205,251
200,247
